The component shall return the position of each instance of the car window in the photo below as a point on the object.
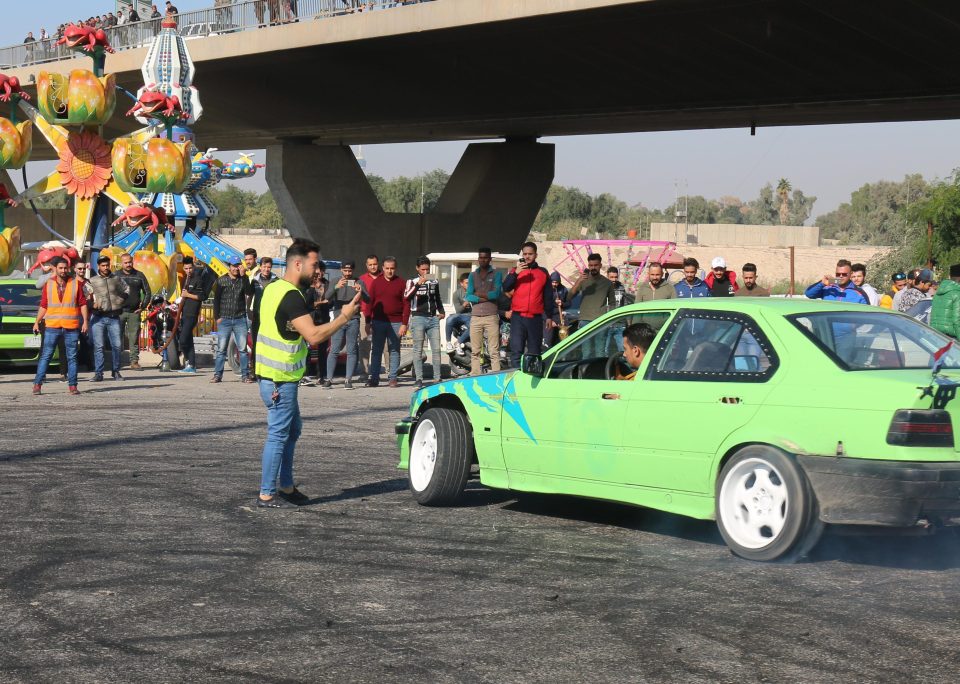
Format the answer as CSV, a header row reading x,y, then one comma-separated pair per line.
x,y
586,356
713,346
19,294
875,340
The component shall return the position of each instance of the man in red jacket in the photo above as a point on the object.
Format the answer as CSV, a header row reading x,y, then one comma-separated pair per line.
x,y
363,353
389,315
531,303
722,283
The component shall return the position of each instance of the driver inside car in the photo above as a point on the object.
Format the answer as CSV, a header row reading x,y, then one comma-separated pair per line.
x,y
637,339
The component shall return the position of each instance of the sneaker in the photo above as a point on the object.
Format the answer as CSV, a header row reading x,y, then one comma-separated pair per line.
x,y
248,380
393,383
348,385
135,366
216,378
36,389
305,382
275,502
372,382
449,348
164,368
72,389
327,384
418,384
117,376
97,377
296,497
188,369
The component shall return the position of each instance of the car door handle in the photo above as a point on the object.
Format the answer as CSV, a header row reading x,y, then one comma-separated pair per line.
x,y
729,400
610,395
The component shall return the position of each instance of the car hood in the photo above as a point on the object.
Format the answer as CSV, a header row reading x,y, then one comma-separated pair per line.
x,y
483,391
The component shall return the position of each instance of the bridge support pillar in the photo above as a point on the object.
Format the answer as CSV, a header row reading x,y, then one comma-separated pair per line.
x,y
492,199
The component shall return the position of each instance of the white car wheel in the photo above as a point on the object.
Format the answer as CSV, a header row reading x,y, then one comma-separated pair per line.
x,y
423,455
441,453
754,501
765,507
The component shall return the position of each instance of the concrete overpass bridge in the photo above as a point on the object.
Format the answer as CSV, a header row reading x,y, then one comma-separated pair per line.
x,y
515,70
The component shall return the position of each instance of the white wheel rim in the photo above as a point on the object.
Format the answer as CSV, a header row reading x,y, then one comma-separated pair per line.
x,y
423,455
754,503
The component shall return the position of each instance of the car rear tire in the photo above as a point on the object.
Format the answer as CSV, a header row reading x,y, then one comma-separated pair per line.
x,y
765,507
441,451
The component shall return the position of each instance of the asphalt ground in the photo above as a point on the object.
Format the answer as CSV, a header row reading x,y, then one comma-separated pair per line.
x,y
132,553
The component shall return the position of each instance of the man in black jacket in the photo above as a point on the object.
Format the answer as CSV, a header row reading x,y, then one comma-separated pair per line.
x,y
230,313
138,297
194,290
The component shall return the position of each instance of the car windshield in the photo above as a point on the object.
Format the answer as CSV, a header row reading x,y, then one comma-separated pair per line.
x,y
875,340
19,294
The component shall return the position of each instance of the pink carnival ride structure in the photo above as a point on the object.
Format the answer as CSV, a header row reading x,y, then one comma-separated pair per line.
x,y
640,253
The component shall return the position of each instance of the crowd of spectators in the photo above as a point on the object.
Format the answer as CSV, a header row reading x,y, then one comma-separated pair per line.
x,y
121,33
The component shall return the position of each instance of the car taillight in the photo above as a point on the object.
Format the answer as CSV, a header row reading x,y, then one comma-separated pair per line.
x,y
914,427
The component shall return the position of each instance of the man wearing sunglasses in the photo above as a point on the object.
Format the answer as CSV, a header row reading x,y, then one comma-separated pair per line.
x,y
899,284
841,289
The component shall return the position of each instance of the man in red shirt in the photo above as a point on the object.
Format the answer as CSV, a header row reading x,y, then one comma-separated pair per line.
x,y
363,353
63,309
531,303
389,315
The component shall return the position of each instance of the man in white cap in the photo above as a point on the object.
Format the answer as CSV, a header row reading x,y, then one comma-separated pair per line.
x,y
722,283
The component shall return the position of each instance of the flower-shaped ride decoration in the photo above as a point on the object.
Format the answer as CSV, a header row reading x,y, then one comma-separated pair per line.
x,y
158,165
16,143
84,166
80,98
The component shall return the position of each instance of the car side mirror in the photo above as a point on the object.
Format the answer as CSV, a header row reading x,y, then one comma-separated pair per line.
x,y
532,364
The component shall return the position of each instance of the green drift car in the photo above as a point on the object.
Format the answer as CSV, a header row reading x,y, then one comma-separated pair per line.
x,y
770,416
19,301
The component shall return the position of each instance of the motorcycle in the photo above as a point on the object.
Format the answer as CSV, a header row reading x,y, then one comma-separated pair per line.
x,y
460,357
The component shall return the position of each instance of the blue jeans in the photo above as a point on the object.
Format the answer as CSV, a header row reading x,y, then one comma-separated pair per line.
x,y
283,430
420,328
110,326
50,338
456,319
347,337
389,333
237,327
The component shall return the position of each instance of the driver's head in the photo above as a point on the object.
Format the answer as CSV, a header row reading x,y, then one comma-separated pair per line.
x,y
637,339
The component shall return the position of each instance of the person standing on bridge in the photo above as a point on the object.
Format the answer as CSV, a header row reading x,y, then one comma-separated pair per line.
x,y
286,328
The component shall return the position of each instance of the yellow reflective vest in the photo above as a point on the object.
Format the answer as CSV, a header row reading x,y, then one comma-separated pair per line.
x,y
278,359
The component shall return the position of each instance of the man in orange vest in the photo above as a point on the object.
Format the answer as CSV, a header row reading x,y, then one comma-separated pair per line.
x,y
63,309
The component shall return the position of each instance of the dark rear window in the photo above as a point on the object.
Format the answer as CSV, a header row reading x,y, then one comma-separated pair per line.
x,y
875,340
25,295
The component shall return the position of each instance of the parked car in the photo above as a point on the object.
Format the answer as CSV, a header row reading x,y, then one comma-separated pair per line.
x,y
19,302
773,417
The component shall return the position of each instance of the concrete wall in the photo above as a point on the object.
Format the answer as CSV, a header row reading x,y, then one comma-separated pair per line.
x,y
736,235
773,263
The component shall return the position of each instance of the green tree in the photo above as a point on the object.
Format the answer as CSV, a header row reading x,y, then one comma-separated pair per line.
x,y
875,214
783,194
232,203
262,214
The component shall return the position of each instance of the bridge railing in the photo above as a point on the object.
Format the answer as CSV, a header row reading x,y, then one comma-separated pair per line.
x,y
248,15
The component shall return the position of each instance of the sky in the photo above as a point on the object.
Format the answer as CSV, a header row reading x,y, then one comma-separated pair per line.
x,y
828,162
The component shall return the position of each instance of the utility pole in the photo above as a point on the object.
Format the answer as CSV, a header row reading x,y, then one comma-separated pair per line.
x,y
421,194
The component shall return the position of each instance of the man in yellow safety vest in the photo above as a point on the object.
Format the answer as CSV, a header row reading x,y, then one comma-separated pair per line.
x,y
286,328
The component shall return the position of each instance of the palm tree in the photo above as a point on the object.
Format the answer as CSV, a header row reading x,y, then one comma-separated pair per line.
x,y
783,192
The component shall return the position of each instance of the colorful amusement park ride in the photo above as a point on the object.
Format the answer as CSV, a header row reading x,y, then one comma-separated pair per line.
x,y
152,180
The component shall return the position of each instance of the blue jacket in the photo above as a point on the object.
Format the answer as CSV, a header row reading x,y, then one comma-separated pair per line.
x,y
698,289
835,293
